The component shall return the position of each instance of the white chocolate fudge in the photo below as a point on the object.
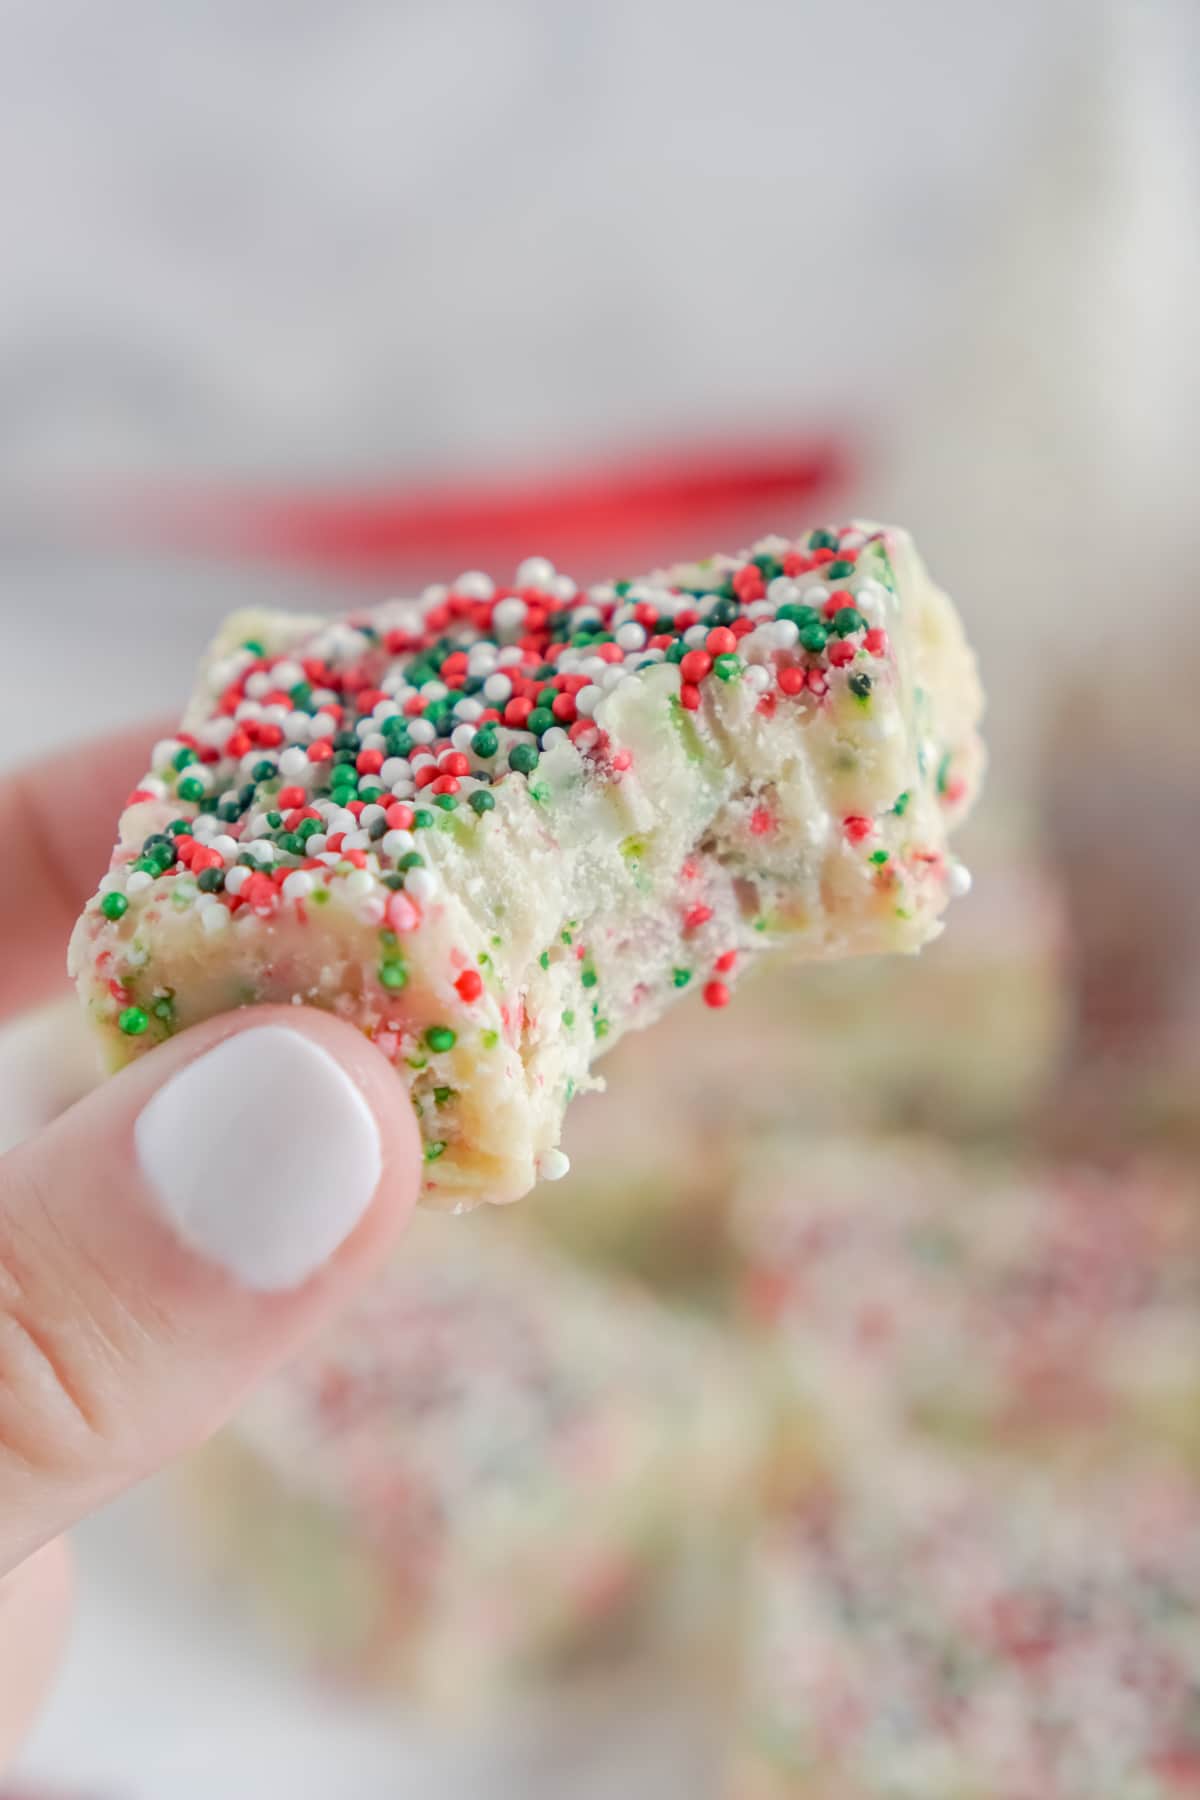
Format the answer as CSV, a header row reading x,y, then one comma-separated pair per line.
x,y
930,1635
497,828
493,1470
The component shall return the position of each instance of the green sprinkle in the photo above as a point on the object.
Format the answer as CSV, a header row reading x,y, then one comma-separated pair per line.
x,y
114,906
434,1150
489,1038
190,789
837,571
848,619
681,977
878,856
943,774
485,742
393,973
589,978
902,802
211,881
412,859
541,720
544,959
440,1038
482,802
179,827
601,1028
442,1094
727,666
183,758
568,1019
254,647
822,540
447,802
814,638
422,818
566,937
264,771
860,686
523,758
133,1021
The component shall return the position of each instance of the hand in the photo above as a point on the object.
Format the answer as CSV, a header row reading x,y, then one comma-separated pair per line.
x,y
173,1236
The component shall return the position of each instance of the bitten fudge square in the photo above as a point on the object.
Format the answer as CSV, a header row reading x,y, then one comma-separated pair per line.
x,y
497,827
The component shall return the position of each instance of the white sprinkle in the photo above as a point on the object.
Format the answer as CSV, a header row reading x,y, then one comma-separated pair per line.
x,y
299,885
396,768
356,840
958,879
421,884
587,700
262,850
631,636
422,731
563,588
258,684
553,1165
165,751
473,585
694,636
316,843
434,690
508,617
322,725
786,633
783,591
294,761
498,689
369,814
511,657
816,595
395,844
757,677
138,882
236,879
555,735
535,572
213,917
437,591
225,846
467,709
359,883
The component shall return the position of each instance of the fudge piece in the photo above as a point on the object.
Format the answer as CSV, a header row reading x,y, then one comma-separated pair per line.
x,y
498,828
929,1636
989,1310
492,1471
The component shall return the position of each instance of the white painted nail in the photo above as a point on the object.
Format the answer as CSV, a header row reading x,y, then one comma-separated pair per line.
x,y
262,1155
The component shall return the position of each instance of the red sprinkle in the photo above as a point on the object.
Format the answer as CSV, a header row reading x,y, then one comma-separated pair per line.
x,y
876,641
858,828
399,816
762,823
720,641
695,665
716,994
791,681
697,916
725,962
689,696
469,985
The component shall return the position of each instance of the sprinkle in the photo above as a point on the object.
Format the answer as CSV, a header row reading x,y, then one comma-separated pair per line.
x,y
554,1164
133,1021
716,994
440,1038
469,986
114,906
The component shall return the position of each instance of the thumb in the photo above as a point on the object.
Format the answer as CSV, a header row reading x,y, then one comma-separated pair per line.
x,y
174,1236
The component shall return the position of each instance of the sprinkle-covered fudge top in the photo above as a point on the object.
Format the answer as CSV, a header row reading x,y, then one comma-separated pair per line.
x,y
346,749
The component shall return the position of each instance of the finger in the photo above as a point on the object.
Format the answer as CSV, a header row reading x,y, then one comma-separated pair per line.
x,y
35,1610
176,1234
57,824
